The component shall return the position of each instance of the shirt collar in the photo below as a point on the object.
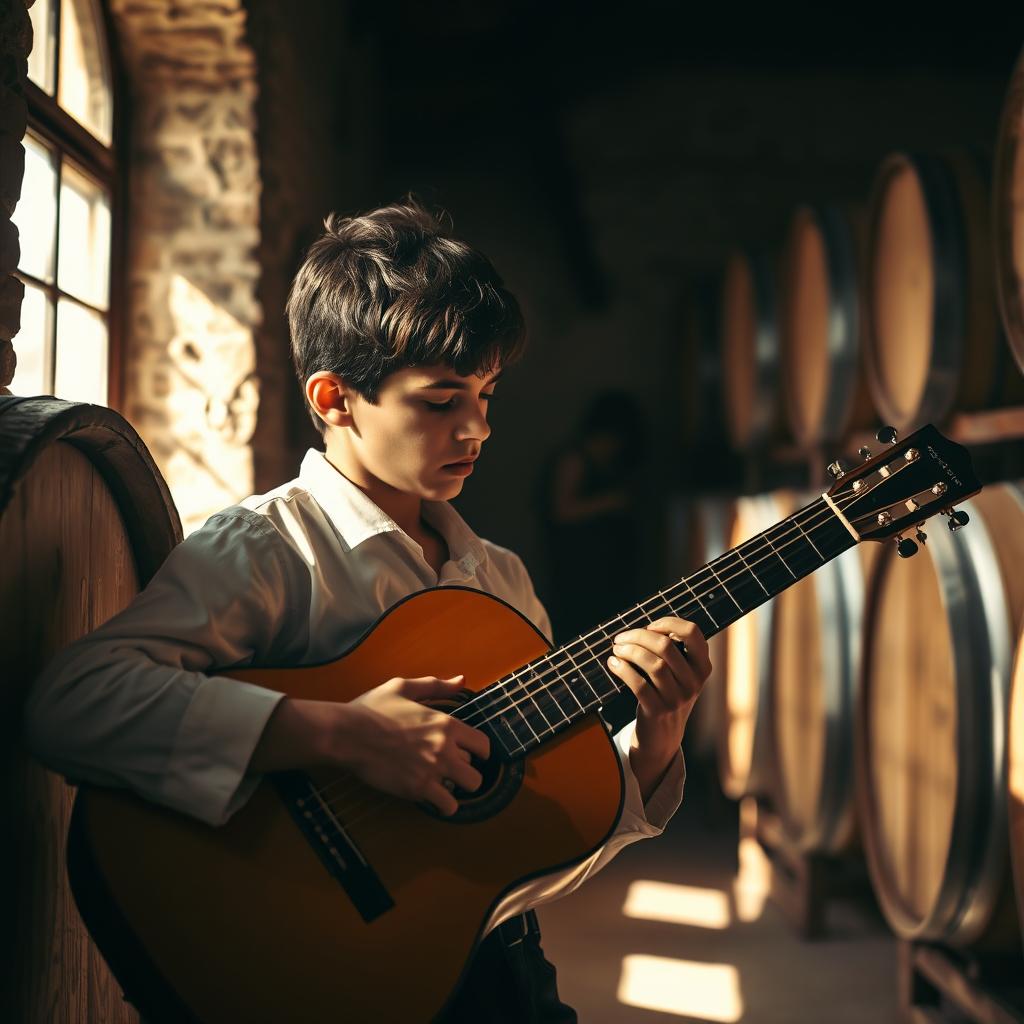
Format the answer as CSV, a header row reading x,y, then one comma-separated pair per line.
x,y
357,517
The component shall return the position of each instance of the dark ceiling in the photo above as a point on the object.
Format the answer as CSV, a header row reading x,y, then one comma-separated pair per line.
x,y
463,62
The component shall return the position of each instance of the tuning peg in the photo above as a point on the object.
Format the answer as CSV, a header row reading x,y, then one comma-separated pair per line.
x,y
906,548
886,435
835,470
921,535
864,452
958,520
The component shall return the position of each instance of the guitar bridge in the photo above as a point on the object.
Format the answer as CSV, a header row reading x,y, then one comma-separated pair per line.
x,y
331,843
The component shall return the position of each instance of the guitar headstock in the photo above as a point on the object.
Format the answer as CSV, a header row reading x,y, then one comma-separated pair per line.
x,y
905,484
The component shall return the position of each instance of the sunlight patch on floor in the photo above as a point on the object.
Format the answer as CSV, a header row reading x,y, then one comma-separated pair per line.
x,y
683,987
677,904
753,880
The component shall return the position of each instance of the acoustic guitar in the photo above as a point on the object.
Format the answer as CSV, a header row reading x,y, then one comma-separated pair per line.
x,y
323,900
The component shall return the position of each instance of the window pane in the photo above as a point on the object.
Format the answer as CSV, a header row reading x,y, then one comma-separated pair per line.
x,y
81,360
83,252
32,344
84,80
36,212
40,60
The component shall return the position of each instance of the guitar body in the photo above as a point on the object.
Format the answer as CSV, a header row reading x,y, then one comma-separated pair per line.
x,y
246,923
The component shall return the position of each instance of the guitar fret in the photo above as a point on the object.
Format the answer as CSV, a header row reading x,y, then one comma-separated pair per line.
x,y
569,688
552,690
533,700
711,567
516,707
590,686
811,542
503,720
751,571
779,557
566,700
686,584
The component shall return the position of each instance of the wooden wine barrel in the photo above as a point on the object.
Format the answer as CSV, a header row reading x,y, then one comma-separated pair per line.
x,y
1008,212
744,755
821,326
814,684
931,728
934,339
1016,774
750,350
85,520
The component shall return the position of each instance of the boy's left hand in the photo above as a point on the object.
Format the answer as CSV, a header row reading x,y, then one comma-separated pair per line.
x,y
666,682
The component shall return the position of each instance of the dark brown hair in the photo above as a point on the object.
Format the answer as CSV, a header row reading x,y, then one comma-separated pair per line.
x,y
392,288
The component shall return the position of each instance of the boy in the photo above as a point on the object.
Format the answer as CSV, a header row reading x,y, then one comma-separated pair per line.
x,y
399,334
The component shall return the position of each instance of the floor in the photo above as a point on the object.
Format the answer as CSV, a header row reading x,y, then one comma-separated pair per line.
x,y
678,929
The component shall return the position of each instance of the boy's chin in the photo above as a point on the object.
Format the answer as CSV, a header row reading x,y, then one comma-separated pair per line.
x,y
447,488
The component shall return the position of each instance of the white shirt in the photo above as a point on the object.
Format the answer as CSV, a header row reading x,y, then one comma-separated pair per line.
x,y
294,576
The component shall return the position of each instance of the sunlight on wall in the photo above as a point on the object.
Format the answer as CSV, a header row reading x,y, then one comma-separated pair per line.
x,y
682,987
212,402
677,904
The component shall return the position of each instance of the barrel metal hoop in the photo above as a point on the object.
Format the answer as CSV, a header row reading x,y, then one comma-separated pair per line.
x,y
949,258
766,348
972,594
844,330
841,600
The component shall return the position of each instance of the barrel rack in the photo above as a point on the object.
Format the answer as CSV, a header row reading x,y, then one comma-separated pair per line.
x,y
992,430
803,883
931,978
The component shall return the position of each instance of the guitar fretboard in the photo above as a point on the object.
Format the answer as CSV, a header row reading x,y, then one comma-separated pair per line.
x,y
545,697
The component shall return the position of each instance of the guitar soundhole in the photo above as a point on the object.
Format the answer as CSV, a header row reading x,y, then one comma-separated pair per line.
x,y
501,779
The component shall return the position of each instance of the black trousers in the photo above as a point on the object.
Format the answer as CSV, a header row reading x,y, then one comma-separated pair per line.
x,y
509,981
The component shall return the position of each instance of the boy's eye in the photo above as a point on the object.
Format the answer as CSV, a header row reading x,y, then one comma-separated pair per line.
x,y
440,406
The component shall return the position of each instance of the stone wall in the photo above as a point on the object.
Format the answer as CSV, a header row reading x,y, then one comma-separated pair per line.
x,y
191,382
15,43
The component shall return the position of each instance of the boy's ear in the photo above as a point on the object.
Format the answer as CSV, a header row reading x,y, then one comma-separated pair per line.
x,y
329,399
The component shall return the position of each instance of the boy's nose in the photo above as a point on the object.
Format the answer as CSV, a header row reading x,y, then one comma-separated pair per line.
x,y
475,427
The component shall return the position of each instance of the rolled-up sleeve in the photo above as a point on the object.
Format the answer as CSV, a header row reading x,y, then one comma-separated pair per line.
x,y
132,704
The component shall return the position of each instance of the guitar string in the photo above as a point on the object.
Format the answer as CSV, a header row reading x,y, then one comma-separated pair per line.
x,y
792,524
367,797
812,522
352,786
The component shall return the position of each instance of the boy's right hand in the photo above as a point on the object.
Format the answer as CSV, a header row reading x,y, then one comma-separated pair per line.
x,y
388,737
397,744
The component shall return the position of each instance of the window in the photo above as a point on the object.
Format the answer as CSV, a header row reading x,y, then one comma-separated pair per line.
x,y
64,215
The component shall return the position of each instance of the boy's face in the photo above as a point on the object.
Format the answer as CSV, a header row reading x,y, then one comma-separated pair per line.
x,y
427,419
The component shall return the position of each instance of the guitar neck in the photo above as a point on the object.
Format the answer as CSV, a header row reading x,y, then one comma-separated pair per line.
x,y
545,697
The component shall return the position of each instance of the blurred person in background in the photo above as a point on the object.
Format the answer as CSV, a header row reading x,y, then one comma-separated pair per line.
x,y
590,514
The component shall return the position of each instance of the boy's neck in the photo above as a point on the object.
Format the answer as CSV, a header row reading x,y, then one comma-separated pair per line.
x,y
405,509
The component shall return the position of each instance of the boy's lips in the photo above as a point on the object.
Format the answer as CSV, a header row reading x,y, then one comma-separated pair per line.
x,y
463,467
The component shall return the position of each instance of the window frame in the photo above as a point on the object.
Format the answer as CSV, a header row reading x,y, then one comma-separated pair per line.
x,y
70,140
